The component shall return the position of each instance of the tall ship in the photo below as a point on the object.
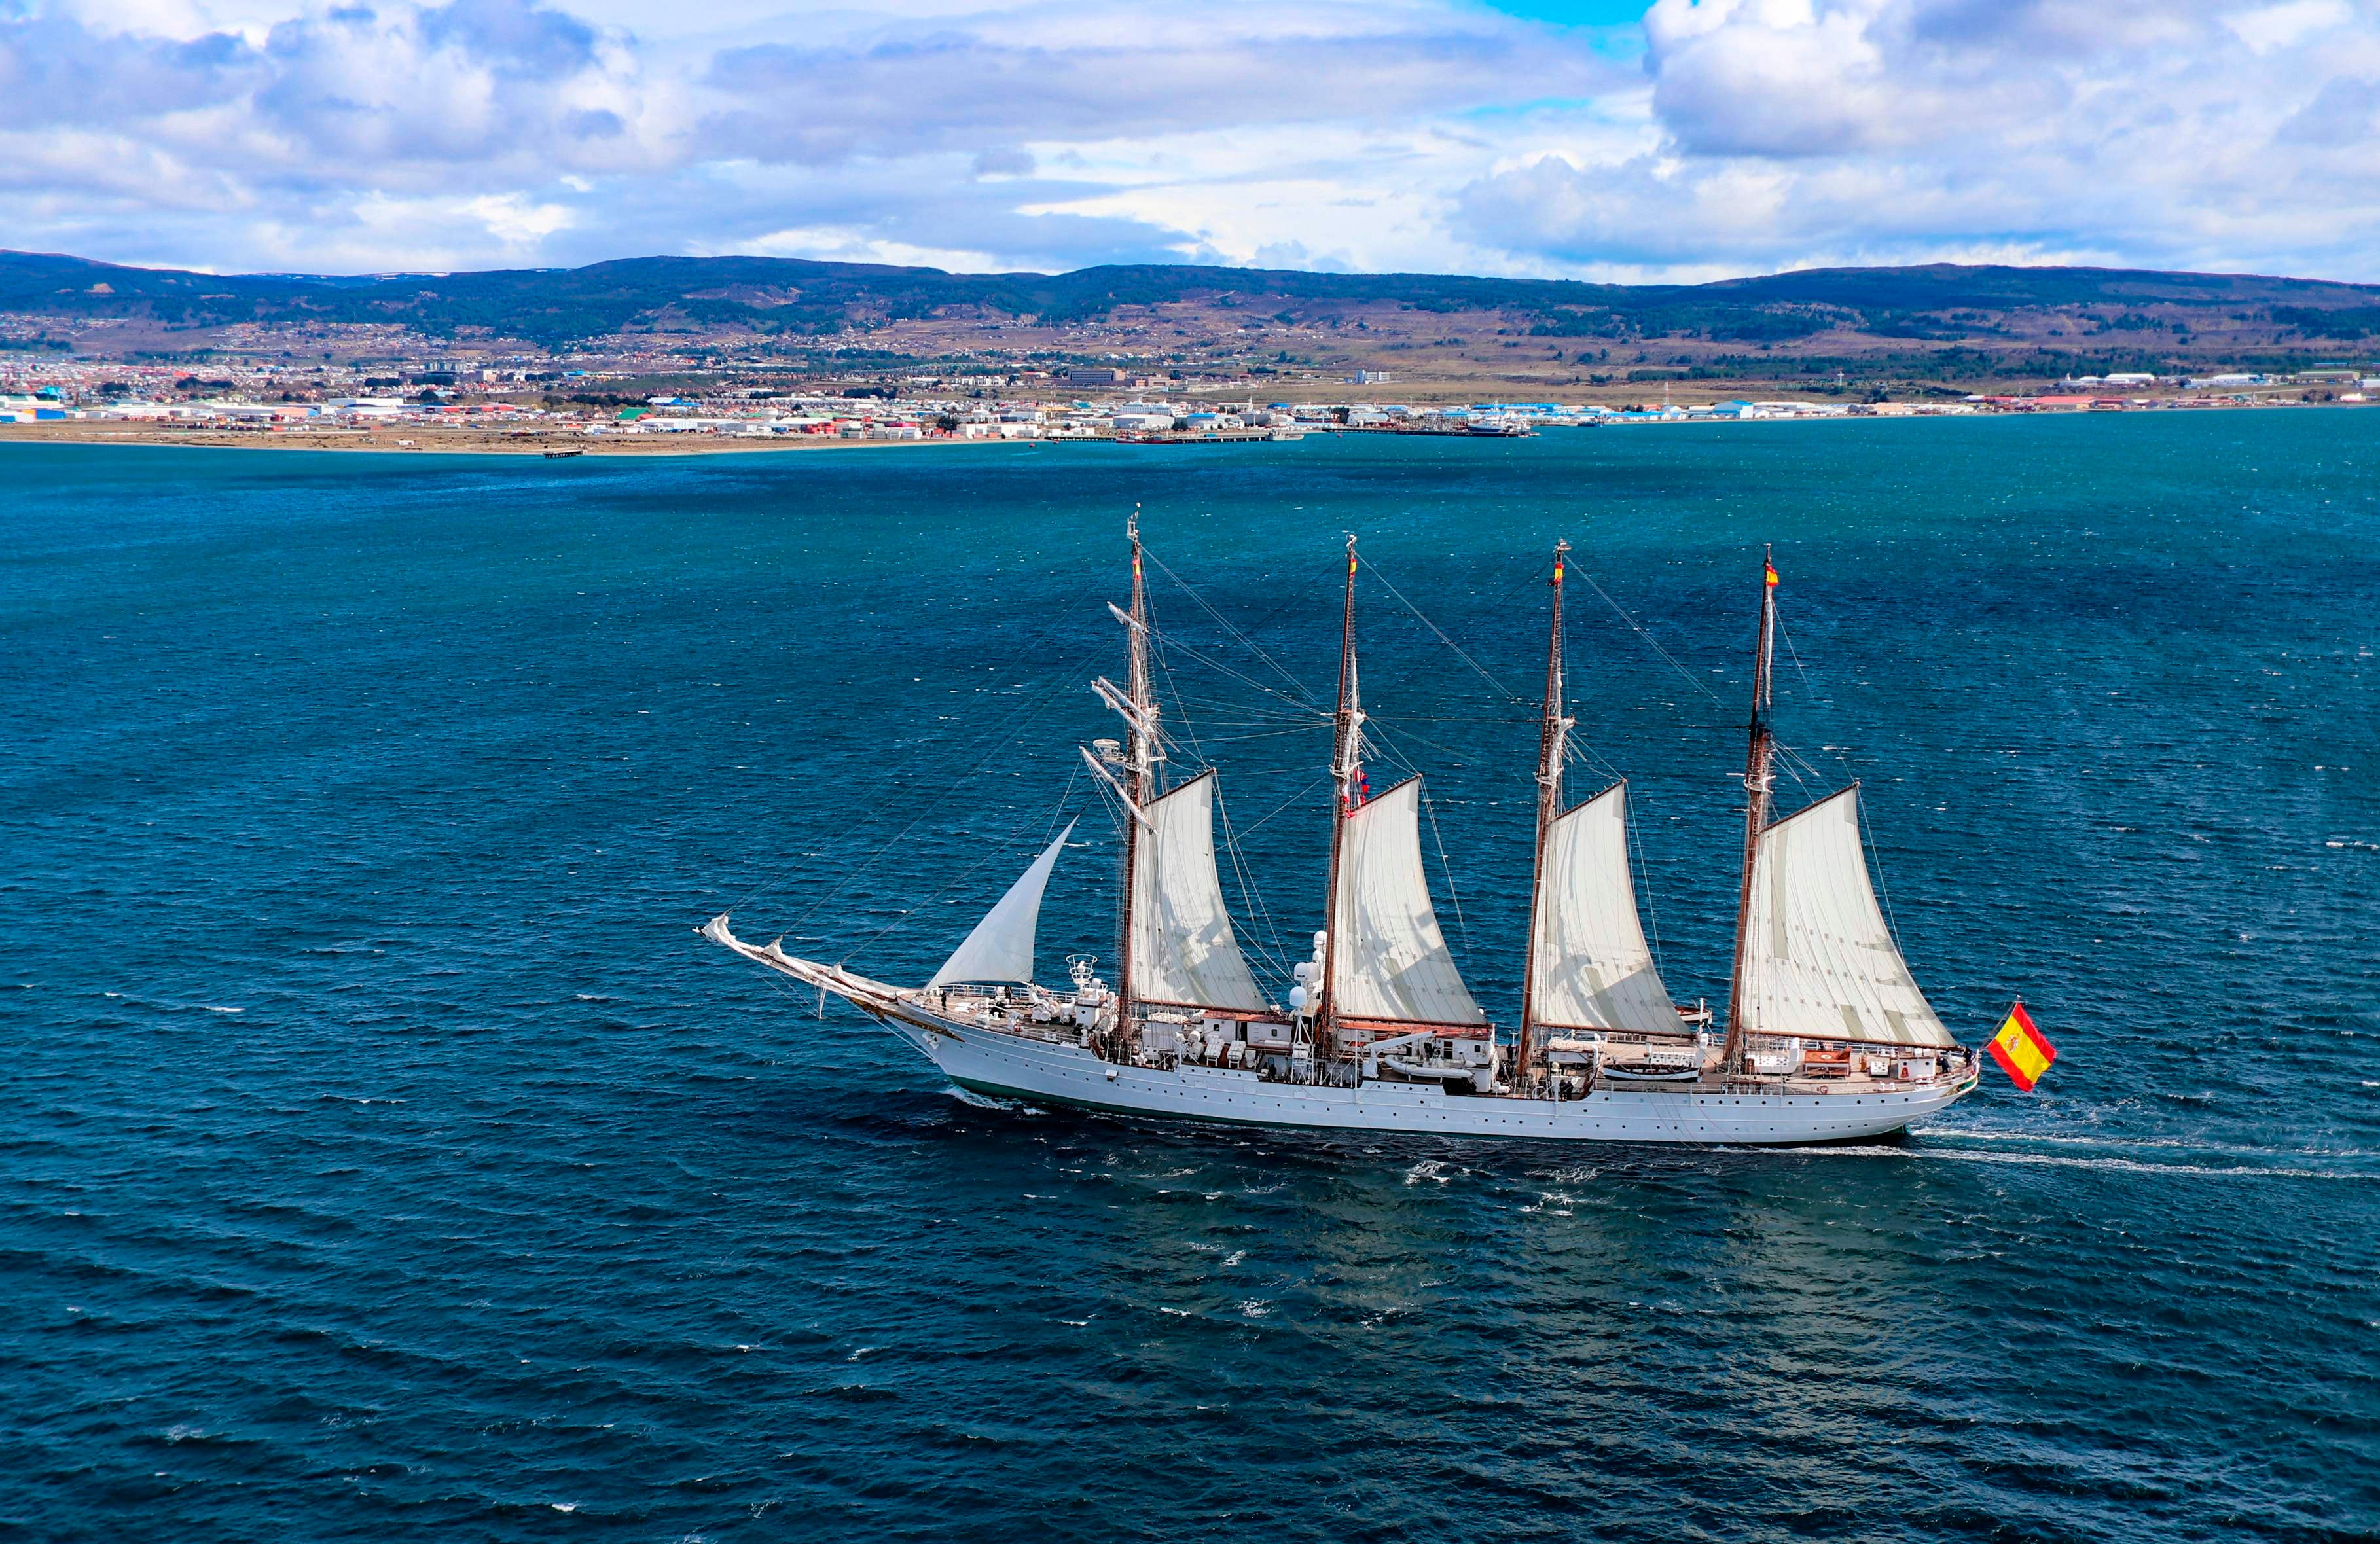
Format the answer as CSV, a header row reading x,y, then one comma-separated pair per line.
x,y
1827,1036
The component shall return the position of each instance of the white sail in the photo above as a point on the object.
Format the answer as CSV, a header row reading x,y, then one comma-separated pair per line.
x,y
1389,959
1183,949
1589,967
1001,948
1818,960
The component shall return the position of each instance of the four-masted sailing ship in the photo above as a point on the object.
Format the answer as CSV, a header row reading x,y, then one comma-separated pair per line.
x,y
1826,1037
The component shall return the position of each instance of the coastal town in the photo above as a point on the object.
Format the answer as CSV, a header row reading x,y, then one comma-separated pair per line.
x,y
561,405
740,353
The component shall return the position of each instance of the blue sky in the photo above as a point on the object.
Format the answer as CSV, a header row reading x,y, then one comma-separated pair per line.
x,y
1681,139
1574,13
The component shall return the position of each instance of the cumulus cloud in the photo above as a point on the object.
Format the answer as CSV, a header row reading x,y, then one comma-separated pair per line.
x,y
1171,76
284,133
1720,136
55,70
1791,132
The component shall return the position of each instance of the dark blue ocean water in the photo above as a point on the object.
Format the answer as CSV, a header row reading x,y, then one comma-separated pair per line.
x,y
383,1156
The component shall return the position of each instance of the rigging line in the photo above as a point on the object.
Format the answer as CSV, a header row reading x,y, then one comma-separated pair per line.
x,y
778,981
1113,804
1651,641
1181,713
1530,717
1368,744
1794,765
1257,731
1319,778
1876,866
1245,641
1795,758
1248,893
1428,808
1250,681
1252,712
1460,758
890,790
1216,722
1651,913
1524,581
1795,655
1510,695
1074,771
1265,734
994,745
1249,896
1011,845
1576,751
1276,734
1867,836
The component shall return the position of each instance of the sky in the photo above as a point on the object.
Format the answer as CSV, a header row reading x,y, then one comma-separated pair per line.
x,y
1610,140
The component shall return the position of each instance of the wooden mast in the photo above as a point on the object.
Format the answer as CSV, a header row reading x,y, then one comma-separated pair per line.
x,y
1140,778
1552,734
1757,783
1346,777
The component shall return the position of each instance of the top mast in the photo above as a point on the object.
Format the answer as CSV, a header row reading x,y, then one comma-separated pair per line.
x,y
1141,772
1145,752
1552,737
1757,785
1347,780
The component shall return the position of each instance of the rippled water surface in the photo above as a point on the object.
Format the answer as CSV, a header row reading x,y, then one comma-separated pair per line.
x,y
383,1156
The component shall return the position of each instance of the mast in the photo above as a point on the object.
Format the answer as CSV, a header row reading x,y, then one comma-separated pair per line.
x,y
1757,783
1346,777
1552,736
1140,774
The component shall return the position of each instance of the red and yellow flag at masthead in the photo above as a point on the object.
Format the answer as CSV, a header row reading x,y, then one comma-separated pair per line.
x,y
2020,1049
1771,570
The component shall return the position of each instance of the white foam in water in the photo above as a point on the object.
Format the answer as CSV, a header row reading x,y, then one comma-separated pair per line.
x,y
2062,1160
987,1102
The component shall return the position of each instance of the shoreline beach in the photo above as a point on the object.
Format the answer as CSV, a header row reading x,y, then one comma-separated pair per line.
x,y
469,441
561,444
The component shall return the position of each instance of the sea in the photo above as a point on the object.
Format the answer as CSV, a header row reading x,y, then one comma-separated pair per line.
x,y
384,1155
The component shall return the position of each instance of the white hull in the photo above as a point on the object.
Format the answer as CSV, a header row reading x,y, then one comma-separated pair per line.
x,y
1057,1072
1010,1066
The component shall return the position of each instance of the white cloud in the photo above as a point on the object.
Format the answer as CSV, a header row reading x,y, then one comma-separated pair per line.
x,y
2270,27
2138,132
1729,136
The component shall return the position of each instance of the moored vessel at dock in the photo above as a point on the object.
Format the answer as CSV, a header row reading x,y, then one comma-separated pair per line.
x,y
1827,1037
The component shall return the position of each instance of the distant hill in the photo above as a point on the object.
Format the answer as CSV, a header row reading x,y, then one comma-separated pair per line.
x,y
783,297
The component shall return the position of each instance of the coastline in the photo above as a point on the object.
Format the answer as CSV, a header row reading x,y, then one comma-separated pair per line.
x,y
417,439
413,440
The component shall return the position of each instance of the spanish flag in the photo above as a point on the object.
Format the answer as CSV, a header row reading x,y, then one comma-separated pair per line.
x,y
2019,1049
1772,572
